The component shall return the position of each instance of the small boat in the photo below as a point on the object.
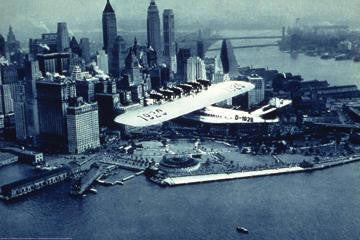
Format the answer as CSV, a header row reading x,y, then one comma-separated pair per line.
x,y
92,190
242,230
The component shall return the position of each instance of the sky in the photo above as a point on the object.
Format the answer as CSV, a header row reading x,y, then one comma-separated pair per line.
x,y
25,15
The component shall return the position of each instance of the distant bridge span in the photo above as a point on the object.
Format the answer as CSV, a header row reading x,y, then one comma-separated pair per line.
x,y
244,37
238,38
248,46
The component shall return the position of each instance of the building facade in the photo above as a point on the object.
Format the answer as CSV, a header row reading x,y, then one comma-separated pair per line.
x,y
256,95
54,63
182,56
63,40
169,39
153,29
195,69
85,49
53,100
82,127
109,27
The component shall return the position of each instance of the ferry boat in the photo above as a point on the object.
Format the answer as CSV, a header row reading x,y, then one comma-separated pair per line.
x,y
242,230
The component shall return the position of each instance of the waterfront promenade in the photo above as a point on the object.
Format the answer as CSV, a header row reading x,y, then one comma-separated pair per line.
x,y
183,180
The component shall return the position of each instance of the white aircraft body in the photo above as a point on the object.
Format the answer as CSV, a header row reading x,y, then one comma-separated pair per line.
x,y
218,115
179,106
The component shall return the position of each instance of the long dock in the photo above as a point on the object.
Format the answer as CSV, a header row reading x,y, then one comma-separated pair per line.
x,y
174,181
88,180
125,165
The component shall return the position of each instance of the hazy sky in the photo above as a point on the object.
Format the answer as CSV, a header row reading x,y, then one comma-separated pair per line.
x,y
87,13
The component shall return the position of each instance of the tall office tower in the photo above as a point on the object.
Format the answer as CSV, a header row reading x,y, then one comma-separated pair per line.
x,y
9,76
85,49
102,61
169,39
182,56
2,46
109,27
32,74
123,50
257,95
62,37
12,44
153,29
211,66
53,100
115,57
75,47
7,104
20,113
54,63
200,46
82,126
195,69
228,59
108,101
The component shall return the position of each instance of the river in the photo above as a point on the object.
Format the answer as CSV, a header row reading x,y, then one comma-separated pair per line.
x,y
310,68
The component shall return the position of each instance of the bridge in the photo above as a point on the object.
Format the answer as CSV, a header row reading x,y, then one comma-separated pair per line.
x,y
243,38
248,46
236,38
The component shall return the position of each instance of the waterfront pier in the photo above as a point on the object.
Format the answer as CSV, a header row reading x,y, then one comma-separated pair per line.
x,y
184,180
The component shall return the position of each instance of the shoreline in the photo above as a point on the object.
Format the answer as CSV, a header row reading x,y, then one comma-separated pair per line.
x,y
196,179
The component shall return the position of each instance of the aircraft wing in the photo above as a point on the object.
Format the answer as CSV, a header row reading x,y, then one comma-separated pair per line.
x,y
158,113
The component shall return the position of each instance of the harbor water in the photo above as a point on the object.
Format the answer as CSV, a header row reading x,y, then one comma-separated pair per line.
x,y
317,205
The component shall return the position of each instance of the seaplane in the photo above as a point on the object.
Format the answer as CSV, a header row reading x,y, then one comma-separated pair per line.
x,y
219,115
192,99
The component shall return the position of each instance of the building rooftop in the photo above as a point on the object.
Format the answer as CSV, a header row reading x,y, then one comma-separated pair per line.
x,y
35,178
108,8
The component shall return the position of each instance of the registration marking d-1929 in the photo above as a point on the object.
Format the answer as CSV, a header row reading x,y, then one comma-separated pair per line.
x,y
151,115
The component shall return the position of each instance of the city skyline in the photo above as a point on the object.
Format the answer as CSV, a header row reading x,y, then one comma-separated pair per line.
x,y
131,15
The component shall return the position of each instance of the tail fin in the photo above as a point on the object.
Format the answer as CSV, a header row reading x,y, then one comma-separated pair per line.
x,y
274,104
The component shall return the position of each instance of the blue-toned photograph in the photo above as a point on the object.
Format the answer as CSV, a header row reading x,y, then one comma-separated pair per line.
x,y
179,120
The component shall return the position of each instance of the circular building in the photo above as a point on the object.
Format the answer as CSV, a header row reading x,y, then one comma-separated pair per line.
x,y
178,164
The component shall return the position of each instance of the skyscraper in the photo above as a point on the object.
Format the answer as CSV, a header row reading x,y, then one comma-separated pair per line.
x,y
200,47
102,61
20,113
12,44
228,59
182,57
74,46
53,100
85,49
82,126
2,46
153,29
169,39
116,57
195,69
63,40
109,27
7,104
256,95
32,74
